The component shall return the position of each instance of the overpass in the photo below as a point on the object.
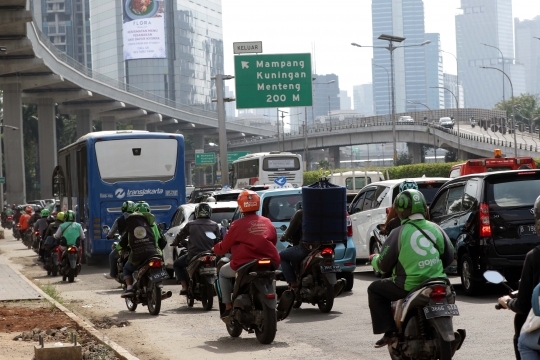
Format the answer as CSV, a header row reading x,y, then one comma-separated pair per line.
x,y
33,70
378,129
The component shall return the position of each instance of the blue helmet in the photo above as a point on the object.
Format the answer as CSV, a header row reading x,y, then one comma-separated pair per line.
x,y
408,185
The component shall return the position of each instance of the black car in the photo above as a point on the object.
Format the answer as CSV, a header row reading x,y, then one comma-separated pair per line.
x,y
489,218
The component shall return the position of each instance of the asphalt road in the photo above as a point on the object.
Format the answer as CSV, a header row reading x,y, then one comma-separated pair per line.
x,y
180,332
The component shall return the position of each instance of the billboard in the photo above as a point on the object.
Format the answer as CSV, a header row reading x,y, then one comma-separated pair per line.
x,y
144,29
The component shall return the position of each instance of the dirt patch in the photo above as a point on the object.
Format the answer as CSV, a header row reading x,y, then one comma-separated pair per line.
x,y
107,322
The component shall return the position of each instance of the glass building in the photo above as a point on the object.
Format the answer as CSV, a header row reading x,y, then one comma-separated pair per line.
x,y
528,51
434,72
363,100
193,50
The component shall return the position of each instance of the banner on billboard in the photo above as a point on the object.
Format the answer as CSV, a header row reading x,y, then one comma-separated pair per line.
x,y
144,29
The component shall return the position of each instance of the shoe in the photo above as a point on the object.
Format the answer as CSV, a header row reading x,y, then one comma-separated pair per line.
x,y
226,313
107,276
183,292
40,260
128,293
385,341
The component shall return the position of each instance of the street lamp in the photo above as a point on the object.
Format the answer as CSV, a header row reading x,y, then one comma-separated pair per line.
x,y
391,39
457,107
502,56
513,110
278,125
431,112
388,75
1,164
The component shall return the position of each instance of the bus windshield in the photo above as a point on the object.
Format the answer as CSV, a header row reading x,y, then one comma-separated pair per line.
x,y
136,159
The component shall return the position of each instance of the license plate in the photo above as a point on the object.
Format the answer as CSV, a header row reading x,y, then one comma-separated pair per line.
x,y
526,230
208,271
434,311
330,268
158,275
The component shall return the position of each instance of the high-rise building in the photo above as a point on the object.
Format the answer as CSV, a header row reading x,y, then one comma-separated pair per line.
x,y
184,50
363,100
528,51
434,72
230,107
403,18
66,23
325,96
486,22
344,100
450,82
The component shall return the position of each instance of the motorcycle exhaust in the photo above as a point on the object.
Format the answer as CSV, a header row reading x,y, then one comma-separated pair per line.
x,y
166,295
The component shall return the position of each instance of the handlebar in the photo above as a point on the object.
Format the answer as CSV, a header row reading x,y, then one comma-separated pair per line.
x,y
498,307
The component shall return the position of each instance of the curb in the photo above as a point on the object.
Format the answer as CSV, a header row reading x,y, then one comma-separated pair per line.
x,y
83,323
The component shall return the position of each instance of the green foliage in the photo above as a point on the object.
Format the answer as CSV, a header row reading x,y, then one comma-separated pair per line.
x,y
404,159
324,164
527,108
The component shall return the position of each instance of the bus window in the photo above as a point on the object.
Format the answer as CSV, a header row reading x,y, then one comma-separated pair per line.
x,y
248,169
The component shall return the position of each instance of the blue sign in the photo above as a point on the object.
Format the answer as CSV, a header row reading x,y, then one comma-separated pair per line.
x,y
280,180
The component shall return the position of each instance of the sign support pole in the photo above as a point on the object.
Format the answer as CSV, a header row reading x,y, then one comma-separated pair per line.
x,y
221,128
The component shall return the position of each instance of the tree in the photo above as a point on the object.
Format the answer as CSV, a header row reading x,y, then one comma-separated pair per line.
x,y
404,159
324,164
450,156
527,108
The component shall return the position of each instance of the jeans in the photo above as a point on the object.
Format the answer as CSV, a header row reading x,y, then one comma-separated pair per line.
x,y
225,275
381,293
290,257
180,266
129,269
528,345
519,320
113,262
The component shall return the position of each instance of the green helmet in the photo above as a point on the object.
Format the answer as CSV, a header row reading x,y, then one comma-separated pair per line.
x,y
142,207
410,202
128,206
70,216
45,213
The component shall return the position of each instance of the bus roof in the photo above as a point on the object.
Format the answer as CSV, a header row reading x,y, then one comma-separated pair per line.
x,y
261,154
119,134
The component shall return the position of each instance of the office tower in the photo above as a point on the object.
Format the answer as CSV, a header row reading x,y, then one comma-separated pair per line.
x,y
450,82
363,100
486,22
528,51
434,72
403,18
344,100
176,61
325,95
66,24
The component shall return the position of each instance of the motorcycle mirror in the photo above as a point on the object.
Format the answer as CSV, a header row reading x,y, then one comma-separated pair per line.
x,y
283,227
225,223
493,277
162,226
106,228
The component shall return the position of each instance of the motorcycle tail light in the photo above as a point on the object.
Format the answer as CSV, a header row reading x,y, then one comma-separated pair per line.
x,y
264,262
56,249
72,249
270,296
438,292
155,263
37,232
9,217
327,251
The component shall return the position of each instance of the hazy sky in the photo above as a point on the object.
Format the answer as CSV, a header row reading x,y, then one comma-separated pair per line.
x,y
293,26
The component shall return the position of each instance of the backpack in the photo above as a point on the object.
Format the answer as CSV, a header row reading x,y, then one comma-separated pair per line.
x,y
142,240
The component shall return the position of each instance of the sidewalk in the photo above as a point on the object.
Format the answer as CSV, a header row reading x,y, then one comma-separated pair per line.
x,y
13,286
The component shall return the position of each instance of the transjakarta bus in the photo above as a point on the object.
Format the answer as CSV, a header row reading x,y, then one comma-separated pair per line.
x,y
264,168
497,163
101,170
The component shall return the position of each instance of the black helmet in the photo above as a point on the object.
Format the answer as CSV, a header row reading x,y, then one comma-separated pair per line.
x,y
203,210
537,214
410,202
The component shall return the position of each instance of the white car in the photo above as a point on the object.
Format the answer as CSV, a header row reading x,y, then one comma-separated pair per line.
x,y
405,120
371,205
185,213
446,122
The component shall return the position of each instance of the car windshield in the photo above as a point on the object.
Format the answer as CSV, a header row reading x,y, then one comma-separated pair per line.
x,y
429,190
222,213
514,194
281,208
226,196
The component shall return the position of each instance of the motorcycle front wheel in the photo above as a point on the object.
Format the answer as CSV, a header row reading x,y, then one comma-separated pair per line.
x,y
266,332
130,304
327,301
154,299
207,297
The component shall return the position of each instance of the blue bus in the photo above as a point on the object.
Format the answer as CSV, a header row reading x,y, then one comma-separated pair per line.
x,y
101,170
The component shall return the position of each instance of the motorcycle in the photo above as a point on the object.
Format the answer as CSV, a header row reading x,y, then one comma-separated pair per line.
x,y
316,278
8,222
123,256
70,266
17,231
27,238
495,277
424,320
36,242
148,287
51,260
473,123
202,276
254,300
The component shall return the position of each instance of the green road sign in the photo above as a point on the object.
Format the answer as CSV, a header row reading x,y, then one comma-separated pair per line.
x,y
2,180
278,80
205,159
231,156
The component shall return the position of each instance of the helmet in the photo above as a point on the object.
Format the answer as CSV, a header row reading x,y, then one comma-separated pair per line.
x,y
45,213
210,199
203,210
28,209
410,202
60,216
248,201
537,214
38,209
128,206
142,207
70,215
408,184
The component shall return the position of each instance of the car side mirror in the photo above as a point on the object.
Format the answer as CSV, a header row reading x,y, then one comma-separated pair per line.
x,y
225,223
162,226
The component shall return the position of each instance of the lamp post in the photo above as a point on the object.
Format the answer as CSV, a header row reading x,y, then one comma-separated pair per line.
x,y
391,39
1,165
388,74
457,107
431,112
513,110
502,57
278,126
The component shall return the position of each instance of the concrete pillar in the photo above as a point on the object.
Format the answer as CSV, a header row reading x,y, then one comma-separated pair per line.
x,y
13,145
198,143
47,146
108,123
84,122
462,155
415,151
335,155
139,124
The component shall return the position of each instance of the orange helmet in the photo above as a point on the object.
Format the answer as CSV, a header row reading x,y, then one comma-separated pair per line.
x,y
28,209
249,201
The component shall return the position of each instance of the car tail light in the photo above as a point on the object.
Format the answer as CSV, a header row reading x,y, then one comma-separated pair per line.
x,y
438,292
349,226
72,249
327,251
270,296
264,262
155,263
388,210
485,225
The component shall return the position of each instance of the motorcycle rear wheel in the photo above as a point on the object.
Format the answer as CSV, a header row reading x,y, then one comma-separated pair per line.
x,y
208,297
71,275
327,302
130,304
267,331
445,348
54,272
154,300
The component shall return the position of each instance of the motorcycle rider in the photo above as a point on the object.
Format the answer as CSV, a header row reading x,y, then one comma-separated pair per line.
x,y
296,253
141,235
41,225
24,220
17,214
53,227
406,248
249,238
530,274
35,217
69,233
203,235
7,212
392,219
119,226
